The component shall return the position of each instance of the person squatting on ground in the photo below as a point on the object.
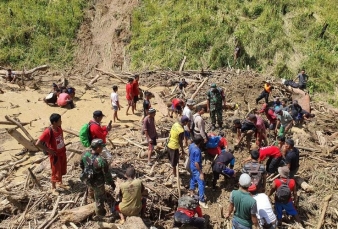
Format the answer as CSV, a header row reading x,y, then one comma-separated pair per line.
x,y
286,195
150,132
216,144
245,205
187,111
199,124
266,92
255,170
260,129
187,208
64,100
130,95
266,217
114,99
176,142
197,175
274,157
95,173
10,76
177,107
220,166
131,191
52,97
244,130
284,122
215,102
52,142
136,90
95,128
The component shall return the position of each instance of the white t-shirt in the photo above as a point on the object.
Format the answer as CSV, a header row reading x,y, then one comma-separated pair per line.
x,y
264,209
114,98
187,112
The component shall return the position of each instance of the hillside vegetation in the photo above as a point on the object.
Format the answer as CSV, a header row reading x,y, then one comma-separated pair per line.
x,y
35,32
277,37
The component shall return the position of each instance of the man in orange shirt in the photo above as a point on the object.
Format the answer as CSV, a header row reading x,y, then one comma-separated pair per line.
x,y
51,141
130,95
136,90
266,92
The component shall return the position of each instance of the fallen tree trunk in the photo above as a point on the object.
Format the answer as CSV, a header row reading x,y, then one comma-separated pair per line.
x,y
199,88
228,106
111,74
305,186
90,84
22,140
77,215
20,126
322,215
11,123
26,73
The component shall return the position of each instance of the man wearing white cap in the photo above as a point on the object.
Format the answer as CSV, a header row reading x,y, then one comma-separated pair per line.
x,y
245,205
187,111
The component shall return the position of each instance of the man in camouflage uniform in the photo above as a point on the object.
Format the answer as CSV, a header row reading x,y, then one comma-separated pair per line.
x,y
101,174
216,100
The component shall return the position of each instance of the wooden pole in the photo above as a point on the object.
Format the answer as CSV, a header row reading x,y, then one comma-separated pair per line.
x,y
11,123
199,88
22,140
182,64
178,182
322,215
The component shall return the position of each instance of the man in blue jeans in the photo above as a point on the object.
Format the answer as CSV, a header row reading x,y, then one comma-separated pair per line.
x,y
197,176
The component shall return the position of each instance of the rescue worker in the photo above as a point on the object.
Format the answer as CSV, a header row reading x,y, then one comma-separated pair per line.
x,y
266,92
215,102
93,163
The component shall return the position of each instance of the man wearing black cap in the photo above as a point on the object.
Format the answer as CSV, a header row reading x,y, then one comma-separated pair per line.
x,y
95,128
291,156
95,173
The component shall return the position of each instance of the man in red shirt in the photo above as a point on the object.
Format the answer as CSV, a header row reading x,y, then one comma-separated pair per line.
x,y
274,155
52,142
136,90
270,115
130,95
280,205
95,128
176,106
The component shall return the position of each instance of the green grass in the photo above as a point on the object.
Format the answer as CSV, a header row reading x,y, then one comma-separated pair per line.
x,y
35,32
279,36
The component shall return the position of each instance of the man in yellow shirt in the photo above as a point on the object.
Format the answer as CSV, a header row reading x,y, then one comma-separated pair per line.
x,y
176,141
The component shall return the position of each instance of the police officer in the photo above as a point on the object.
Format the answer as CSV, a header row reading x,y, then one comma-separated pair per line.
x,y
93,162
216,100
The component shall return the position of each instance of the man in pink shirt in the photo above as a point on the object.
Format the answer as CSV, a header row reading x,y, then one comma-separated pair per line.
x,y
64,99
261,131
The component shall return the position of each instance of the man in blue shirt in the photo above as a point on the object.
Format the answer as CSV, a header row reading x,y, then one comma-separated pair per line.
x,y
197,176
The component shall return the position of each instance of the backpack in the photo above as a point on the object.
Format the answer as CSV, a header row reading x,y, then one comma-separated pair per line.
x,y
256,175
188,202
50,139
283,192
84,135
213,142
88,172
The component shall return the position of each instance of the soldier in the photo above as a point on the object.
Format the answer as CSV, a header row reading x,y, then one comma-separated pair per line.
x,y
95,173
215,106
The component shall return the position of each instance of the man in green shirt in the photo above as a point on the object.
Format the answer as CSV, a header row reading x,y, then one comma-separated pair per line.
x,y
244,204
95,173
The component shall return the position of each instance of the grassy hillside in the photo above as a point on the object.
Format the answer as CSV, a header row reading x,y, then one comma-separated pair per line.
x,y
276,36
35,32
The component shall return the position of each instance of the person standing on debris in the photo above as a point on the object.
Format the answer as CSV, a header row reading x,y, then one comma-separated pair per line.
x,y
260,127
220,166
244,204
199,124
266,217
146,103
266,92
176,142
291,156
64,99
95,173
187,111
197,175
52,142
244,130
176,106
274,157
302,81
136,90
215,102
10,76
129,95
270,115
284,120
286,191
131,190
255,170
95,128
114,99
187,208
150,132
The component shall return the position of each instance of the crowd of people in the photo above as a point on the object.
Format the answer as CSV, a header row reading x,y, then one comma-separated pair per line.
x,y
251,201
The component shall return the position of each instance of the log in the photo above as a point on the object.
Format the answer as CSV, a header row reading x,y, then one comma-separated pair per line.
x,y
21,127
77,215
111,74
90,84
308,149
134,143
11,123
133,222
199,88
26,73
73,225
174,89
178,182
107,225
182,65
305,186
228,106
322,215
35,180
14,163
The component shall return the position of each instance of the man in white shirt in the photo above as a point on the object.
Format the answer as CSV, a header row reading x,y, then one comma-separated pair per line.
x,y
265,215
114,98
187,112
199,125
